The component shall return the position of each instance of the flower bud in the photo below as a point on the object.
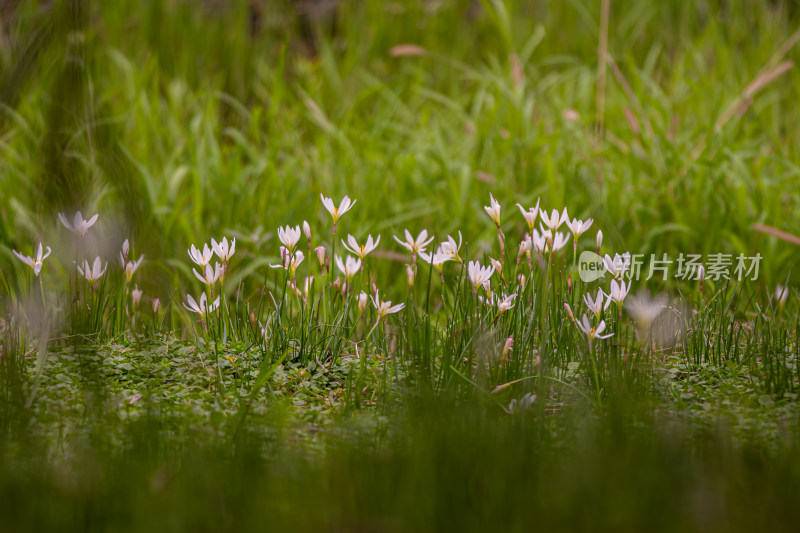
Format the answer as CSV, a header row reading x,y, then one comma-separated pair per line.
x,y
136,296
599,239
307,230
508,346
156,305
498,266
410,275
362,301
322,256
487,286
285,258
569,285
701,274
337,284
569,311
123,256
521,279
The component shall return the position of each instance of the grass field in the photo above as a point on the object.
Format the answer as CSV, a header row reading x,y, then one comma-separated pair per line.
x,y
470,379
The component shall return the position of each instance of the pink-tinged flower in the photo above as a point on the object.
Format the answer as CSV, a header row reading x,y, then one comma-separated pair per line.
x,y
415,245
201,308
349,267
35,264
618,291
597,305
450,249
361,251
290,261
94,271
506,303
123,255
593,332
322,255
530,215
559,241
478,275
209,276
136,296
645,309
618,265
289,236
554,221
578,227
385,308
493,209
223,251
336,212
201,259
131,267
78,226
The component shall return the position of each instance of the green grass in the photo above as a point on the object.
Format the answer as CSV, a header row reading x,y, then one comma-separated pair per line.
x,y
182,121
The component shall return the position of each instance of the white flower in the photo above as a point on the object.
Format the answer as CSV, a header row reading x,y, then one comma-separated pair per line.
x,y
94,271
781,293
539,241
362,250
578,227
545,243
200,258
290,261
362,301
415,246
526,245
35,264
337,212
131,267
530,215
506,303
592,332
385,308
493,209
478,275
450,249
645,309
618,291
202,308
560,241
554,221
222,250
79,226
618,265
210,275
599,240
436,259
289,236
596,305
349,267
306,230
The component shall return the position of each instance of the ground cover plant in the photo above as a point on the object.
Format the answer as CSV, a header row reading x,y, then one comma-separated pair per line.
x,y
468,265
